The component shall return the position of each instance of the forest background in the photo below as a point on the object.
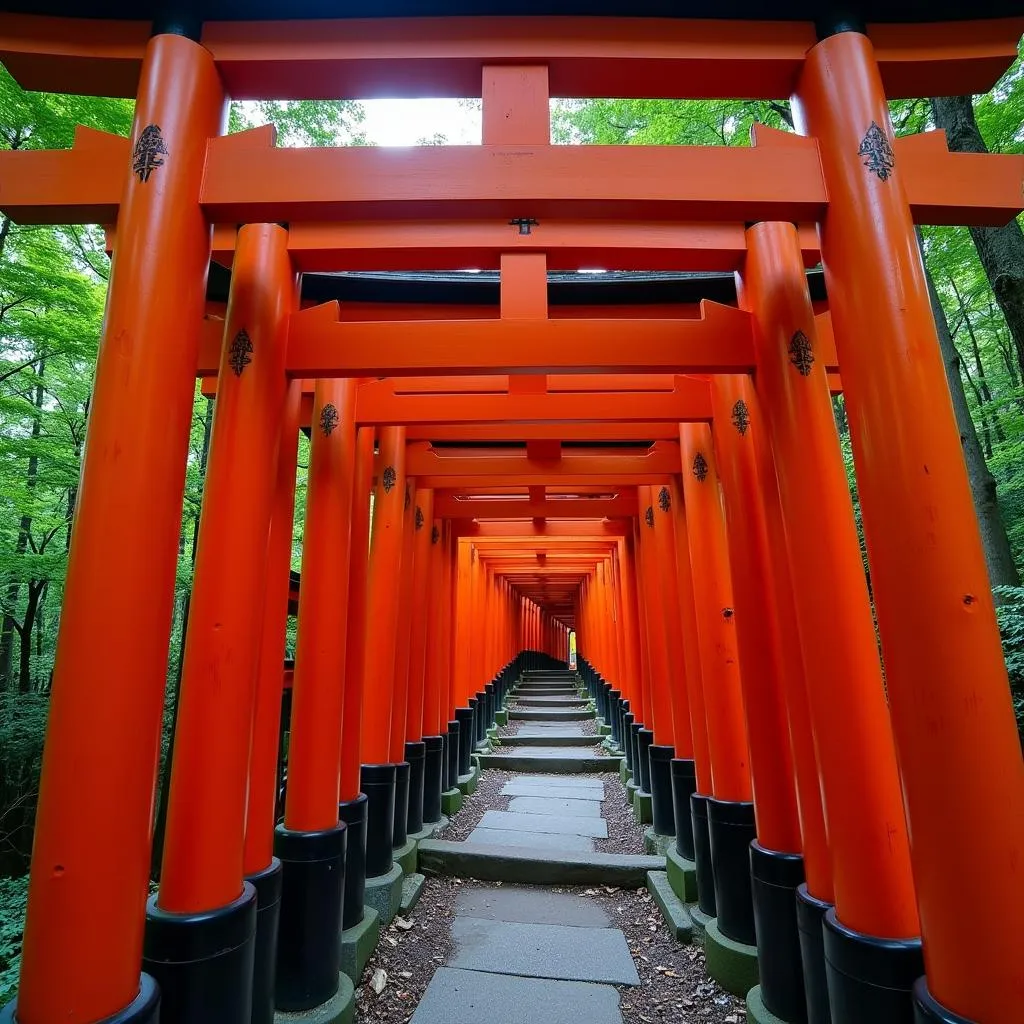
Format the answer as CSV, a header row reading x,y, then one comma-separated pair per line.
x,y
52,291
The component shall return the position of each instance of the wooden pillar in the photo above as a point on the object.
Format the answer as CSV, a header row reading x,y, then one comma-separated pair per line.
x,y
738,431
91,854
202,863
355,651
668,582
320,652
716,623
661,702
261,813
948,695
401,638
424,580
382,596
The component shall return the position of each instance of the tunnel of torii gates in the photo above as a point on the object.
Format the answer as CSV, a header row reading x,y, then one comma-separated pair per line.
x,y
647,463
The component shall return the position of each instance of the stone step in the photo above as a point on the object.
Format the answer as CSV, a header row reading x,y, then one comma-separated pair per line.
x,y
529,700
548,691
567,762
550,714
518,864
548,739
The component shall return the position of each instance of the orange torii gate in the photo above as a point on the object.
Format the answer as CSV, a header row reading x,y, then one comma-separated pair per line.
x,y
756,582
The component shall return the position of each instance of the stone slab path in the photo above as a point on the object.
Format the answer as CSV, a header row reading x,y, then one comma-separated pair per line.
x,y
522,954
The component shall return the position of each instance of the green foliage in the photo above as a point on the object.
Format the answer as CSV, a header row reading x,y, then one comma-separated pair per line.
x,y
1011,627
13,894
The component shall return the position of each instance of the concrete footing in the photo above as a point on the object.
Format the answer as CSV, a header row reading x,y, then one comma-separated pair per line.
x,y
656,844
757,1012
732,964
624,773
467,784
642,808
682,874
700,922
603,730
451,801
405,855
501,717
412,889
339,1009
384,894
358,944
672,908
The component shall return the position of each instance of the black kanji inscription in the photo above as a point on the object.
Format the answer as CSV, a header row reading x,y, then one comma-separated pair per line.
x,y
877,152
649,515
801,354
328,419
664,499
389,478
240,353
150,150
700,467
741,417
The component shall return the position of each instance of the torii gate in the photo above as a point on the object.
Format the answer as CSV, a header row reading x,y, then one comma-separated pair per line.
x,y
178,177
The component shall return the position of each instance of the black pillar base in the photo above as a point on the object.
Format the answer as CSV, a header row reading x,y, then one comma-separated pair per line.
x,y
870,978
377,781
454,754
644,740
634,743
481,716
731,828
401,827
810,912
928,1011
627,736
775,877
203,962
309,937
267,884
614,697
474,729
491,690
684,783
662,813
143,1009
702,854
433,759
464,716
415,754
353,814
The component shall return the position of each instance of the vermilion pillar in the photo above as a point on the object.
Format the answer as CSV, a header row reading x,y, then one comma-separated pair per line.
x,y
422,514
662,809
355,651
400,687
352,803
382,604
854,746
948,694
266,729
309,948
434,676
90,865
726,817
201,886
688,777
745,469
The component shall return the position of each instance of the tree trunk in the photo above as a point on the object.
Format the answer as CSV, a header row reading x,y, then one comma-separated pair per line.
x,y
35,588
1002,571
21,545
1001,250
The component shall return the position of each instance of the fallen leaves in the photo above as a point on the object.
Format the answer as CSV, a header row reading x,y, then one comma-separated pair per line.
x,y
379,981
